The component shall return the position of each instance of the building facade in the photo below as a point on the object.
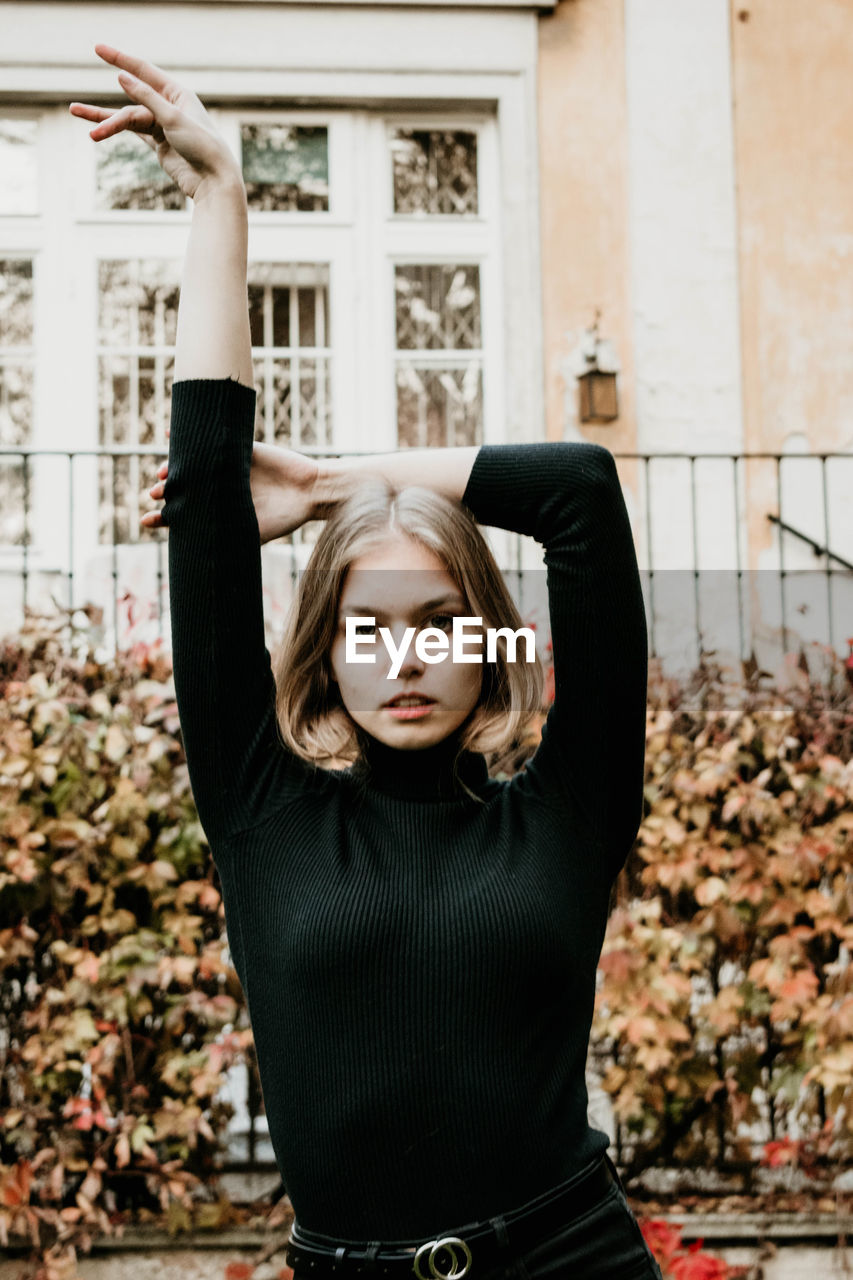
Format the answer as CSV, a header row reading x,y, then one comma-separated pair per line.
x,y
445,200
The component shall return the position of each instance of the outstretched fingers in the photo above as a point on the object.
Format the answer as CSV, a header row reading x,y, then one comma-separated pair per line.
x,y
154,76
160,108
88,112
108,122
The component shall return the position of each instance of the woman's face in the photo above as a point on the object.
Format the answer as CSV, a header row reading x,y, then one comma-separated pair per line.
x,y
402,585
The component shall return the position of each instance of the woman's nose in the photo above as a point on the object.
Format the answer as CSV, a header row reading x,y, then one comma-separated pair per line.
x,y
410,663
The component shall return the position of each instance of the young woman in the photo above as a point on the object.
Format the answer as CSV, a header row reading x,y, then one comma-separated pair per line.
x,y
417,942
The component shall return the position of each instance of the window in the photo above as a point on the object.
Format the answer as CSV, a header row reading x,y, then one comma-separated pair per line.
x,y
372,245
438,338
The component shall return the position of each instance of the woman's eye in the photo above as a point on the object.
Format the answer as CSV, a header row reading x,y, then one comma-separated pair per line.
x,y
444,619
365,629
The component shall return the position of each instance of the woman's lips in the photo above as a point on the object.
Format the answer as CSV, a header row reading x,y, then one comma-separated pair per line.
x,y
413,711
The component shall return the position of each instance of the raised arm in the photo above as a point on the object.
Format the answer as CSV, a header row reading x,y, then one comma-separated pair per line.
x,y
223,680
591,756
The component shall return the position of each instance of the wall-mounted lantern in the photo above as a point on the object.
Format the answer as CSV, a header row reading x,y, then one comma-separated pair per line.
x,y
599,397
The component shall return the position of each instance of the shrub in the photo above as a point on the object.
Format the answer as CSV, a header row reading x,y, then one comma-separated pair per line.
x,y
727,997
119,1008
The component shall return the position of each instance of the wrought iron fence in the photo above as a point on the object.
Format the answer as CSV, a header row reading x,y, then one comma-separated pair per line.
x,y
740,554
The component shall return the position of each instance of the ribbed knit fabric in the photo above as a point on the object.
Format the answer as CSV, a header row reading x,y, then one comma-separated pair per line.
x,y
419,967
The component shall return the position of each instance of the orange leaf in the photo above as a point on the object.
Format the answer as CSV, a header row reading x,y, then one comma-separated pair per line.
x,y
239,1270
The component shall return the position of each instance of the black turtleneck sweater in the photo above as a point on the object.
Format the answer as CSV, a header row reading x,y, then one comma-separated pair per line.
x,y
419,966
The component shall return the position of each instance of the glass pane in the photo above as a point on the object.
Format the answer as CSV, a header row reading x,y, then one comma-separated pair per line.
x,y
16,302
12,524
16,391
138,302
137,326
114,400
435,171
128,177
18,170
16,404
16,414
439,406
289,309
286,167
438,307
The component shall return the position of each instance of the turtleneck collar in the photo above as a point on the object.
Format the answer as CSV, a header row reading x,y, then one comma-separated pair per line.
x,y
425,774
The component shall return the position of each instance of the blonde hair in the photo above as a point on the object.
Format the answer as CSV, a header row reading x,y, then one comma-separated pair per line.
x,y
312,719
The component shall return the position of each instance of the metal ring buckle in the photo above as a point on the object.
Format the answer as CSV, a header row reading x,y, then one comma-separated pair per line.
x,y
451,1244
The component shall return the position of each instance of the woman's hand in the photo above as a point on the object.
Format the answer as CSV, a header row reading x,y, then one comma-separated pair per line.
x,y
171,120
283,483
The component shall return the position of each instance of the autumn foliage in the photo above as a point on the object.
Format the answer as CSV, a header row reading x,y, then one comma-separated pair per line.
x,y
685,1262
727,995
726,1000
120,1011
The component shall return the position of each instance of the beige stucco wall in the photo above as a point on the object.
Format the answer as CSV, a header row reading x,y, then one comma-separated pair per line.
x,y
582,129
793,119
793,111
793,116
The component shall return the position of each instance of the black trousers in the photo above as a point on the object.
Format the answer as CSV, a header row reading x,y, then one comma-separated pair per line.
x,y
603,1243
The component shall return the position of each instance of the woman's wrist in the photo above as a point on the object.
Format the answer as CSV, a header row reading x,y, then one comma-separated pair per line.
x,y
444,470
226,187
334,483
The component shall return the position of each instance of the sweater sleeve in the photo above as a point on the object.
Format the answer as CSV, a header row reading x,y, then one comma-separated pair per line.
x,y
224,685
590,759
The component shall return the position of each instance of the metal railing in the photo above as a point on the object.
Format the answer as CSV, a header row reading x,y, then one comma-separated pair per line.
x,y
735,550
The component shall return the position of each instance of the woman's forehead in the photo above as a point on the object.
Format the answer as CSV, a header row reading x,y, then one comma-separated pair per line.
x,y
401,573
371,590
400,589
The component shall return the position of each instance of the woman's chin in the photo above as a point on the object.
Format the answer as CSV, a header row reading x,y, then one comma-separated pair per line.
x,y
407,734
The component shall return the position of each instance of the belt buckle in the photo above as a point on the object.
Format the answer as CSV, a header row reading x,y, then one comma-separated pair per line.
x,y
450,1244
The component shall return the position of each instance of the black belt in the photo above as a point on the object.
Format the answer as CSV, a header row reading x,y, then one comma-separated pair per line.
x,y
451,1256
